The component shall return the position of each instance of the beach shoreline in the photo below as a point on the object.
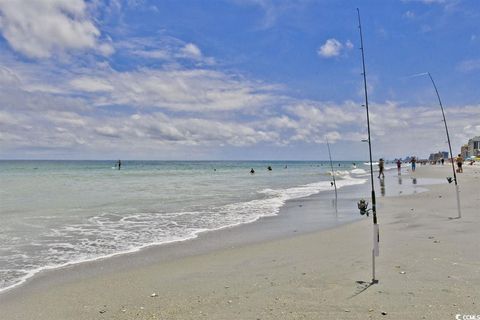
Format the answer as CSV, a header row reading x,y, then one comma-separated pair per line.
x,y
207,241
59,229
214,248
216,239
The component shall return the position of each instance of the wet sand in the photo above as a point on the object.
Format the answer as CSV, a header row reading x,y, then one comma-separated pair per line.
x,y
286,268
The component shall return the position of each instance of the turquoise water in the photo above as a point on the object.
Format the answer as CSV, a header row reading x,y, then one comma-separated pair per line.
x,y
55,213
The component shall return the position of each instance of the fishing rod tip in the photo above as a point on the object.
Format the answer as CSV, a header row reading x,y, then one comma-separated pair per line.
x,y
417,75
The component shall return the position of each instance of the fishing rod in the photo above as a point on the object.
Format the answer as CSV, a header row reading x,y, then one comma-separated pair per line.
x,y
333,172
362,205
449,146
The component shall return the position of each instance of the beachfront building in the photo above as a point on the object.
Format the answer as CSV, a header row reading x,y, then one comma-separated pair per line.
x,y
474,147
464,151
434,157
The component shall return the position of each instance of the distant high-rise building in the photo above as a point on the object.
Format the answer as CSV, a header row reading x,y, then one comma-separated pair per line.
x,y
438,156
464,151
474,147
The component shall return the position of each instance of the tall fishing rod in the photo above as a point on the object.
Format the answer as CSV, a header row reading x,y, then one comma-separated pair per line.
x,y
449,146
333,172
362,205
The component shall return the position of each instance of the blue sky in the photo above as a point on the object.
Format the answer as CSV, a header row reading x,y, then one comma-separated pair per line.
x,y
252,79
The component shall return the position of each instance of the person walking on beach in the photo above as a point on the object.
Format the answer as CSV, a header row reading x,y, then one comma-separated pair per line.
x,y
381,167
442,161
459,163
414,163
119,164
399,167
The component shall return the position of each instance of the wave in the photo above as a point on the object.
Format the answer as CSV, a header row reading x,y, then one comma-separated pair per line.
x,y
112,233
359,171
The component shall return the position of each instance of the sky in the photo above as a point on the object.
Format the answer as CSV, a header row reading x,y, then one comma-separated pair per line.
x,y
235,79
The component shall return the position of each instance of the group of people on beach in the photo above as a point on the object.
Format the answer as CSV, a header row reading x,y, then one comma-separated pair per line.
x,y
381,166
413,161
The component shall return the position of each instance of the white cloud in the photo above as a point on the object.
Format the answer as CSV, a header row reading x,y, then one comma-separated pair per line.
x,y
469,65
168,49
333,48
42,29
273,11
48,121
153,54
89,84
107,131
148,113
8,77
333,136
330,48
191,51
179,90
409,14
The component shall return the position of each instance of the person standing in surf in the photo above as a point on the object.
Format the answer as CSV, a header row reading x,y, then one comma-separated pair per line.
x,y
399,167
381,168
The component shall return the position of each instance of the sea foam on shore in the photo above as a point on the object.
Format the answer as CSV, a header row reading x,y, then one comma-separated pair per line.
x,y
83,211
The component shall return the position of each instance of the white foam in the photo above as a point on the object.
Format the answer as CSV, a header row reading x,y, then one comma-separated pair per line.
x,y
358,171
110,234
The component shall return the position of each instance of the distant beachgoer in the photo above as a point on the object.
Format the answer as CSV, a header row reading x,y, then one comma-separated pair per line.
x,y
381,167
354,165
269,168
459,163
413,162
442,161
252,171
286,166
399,167
119,164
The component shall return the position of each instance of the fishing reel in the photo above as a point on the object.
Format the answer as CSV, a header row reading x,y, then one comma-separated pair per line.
x,y
363,207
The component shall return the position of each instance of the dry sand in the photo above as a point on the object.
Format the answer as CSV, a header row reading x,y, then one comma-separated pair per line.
x,y
429,268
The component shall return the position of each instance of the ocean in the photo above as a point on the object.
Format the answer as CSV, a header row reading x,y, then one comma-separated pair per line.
x,y
56,213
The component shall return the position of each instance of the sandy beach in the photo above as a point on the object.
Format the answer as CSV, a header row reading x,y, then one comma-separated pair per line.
x,y
428,268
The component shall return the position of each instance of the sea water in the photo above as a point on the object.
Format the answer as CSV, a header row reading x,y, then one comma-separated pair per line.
x,y
55,213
